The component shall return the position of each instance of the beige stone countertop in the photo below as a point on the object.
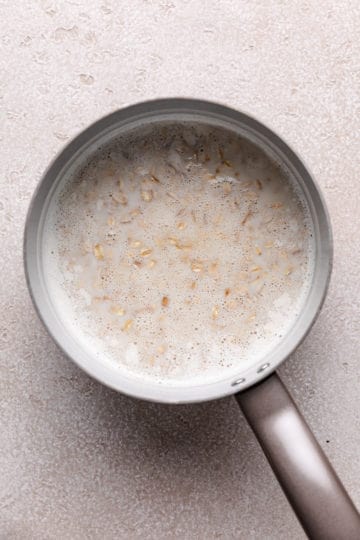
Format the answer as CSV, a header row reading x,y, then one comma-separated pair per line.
x,y
77,460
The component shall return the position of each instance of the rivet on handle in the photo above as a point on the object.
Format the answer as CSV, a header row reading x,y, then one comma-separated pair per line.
x,y
263,367
238,381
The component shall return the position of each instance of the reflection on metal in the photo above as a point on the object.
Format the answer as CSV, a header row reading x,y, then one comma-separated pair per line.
x,y
300,450
238,381
263,367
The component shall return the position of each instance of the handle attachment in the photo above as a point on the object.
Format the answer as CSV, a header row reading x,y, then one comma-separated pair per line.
x,y
311,485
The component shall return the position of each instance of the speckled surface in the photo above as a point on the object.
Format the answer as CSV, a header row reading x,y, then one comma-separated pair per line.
x,y
78,461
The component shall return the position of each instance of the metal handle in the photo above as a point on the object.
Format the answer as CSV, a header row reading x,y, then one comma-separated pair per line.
x,y
311,485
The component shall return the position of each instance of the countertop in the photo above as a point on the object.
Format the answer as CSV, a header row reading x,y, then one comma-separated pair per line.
x,y
77,460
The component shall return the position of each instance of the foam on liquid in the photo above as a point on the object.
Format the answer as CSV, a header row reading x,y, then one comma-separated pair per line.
x,y
179,252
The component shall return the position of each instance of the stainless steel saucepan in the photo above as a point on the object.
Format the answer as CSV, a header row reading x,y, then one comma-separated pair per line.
x,y
306,476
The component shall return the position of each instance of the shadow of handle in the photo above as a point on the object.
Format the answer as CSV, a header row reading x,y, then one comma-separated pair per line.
x,y
311,485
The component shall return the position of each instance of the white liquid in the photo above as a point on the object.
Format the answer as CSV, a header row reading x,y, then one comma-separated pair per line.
x,y
179,254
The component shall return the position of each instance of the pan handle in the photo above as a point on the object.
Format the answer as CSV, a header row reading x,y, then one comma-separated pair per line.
x,y
311,485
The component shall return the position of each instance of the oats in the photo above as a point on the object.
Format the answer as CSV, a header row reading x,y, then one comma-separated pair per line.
x,y
173,240
193,285
184,245
227,292
118,311
137,264
222,157
87,247
243,290
152,360
135,212
111,221
252,317
288,270
185,258
197,266
136,244
161,349
276,205
269,245
193,216
151,264
258,251
146,309
255,268
258,184
181,225
128,324
98,252
171,195
155,179
213,267
231,305
147,195
227,187
179,245
160,242
267,217
120,198
165,301
102,298
247,216
125,220
235,203
215,312
181,212
146,252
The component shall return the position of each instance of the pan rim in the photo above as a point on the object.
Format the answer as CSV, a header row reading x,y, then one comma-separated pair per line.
x,y
135,387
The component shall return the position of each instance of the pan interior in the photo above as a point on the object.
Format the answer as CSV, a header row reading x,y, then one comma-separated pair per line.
x,y
210,316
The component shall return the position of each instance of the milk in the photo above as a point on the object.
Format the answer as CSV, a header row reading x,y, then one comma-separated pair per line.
x,y
179,254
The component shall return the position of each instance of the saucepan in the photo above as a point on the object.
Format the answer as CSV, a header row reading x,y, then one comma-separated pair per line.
x,y
312,487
